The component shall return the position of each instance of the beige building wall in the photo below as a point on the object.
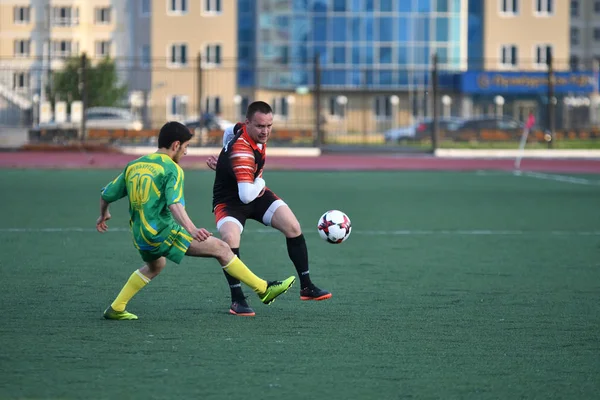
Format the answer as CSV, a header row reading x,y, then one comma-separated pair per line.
x,y
186,82
526,29
43,29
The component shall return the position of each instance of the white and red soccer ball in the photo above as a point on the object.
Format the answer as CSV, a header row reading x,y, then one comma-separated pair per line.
x,y
334,226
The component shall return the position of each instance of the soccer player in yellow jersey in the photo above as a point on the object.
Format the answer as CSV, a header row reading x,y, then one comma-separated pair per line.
x,y
160,225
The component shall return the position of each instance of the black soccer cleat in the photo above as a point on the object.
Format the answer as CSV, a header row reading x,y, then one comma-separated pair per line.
x,y
312,292
241,308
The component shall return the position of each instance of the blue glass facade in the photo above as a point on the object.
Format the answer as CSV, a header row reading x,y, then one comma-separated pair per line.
x,y
475,35
360,43
246,36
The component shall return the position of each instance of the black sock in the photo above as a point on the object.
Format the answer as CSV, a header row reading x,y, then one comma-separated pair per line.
x,y
299,255
234,284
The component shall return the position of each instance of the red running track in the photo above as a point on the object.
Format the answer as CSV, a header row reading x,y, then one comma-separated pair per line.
x,y
328,162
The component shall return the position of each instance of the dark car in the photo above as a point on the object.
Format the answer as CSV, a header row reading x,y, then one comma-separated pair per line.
x,y
489,127
422,129
492,123
208,121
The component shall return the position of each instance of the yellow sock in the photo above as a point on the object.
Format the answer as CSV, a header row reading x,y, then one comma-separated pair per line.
x,y
134,284
239,270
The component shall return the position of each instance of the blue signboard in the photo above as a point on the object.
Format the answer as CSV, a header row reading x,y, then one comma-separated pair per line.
x,y
476,82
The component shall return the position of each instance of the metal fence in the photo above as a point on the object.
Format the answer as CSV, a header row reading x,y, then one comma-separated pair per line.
x,y
313,104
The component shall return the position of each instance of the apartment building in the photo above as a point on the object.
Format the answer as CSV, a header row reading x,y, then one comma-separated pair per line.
x,y
585,33
510,42
518,35
189,54
37,35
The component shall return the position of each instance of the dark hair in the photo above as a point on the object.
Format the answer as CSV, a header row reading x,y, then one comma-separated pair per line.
x,y
172,132
258,106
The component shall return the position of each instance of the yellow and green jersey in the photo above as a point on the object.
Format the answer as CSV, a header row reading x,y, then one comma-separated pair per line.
x,y
152,183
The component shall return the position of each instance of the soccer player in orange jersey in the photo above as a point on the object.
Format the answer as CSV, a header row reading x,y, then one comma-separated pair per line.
x,y
240,193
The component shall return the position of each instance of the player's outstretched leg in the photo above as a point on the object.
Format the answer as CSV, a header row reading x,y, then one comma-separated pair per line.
x,y
239,305
285,221
138,279
230,233
218,249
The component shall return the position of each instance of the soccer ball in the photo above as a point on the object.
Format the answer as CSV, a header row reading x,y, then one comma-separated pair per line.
x,y
334,226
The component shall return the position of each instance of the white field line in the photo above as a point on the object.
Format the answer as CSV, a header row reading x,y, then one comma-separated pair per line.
x,y
558,178
406,232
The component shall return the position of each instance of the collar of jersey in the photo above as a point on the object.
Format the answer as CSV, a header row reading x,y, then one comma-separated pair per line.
x,y
251,141
165,157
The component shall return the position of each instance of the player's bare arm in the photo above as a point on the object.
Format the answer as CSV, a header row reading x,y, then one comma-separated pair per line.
x,y
101,225
183,219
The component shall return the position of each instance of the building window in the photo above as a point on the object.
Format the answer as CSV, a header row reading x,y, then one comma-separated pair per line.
x,y
509,56
337,108
103,48
178,55
597,7
65,16
543,53
64,48
212,105
383,107
339,55
102,15
212,54
385,55
20,80
597,34
22,15
574,63
544,7
509,7
574,36
280,107
574,8
177,107
212,7
22,47
146,8
177,6
145,58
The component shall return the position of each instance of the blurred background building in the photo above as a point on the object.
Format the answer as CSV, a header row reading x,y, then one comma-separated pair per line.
x,y
367,65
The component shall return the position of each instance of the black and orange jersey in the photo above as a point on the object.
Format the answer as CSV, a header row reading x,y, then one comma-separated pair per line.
x,y
241,160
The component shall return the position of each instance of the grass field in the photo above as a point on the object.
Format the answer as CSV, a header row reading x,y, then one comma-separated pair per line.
x,y
452,285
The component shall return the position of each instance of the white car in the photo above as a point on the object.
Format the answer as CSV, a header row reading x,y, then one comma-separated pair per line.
x,y
112,118
102,118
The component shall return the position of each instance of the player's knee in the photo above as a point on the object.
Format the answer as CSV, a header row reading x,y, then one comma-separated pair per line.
x,y
223,251
155,267
294,229
230,238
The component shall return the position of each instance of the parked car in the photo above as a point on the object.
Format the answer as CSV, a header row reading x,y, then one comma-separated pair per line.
x,y
491,123
490,128
422,129
210,122
112,118
101,118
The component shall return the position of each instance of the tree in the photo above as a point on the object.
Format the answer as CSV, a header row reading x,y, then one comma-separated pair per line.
x,y
103,87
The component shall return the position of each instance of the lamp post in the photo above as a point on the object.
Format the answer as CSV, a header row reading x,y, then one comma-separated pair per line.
x,y
394,101
291,100
447,103
237,100
342,101
499,101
